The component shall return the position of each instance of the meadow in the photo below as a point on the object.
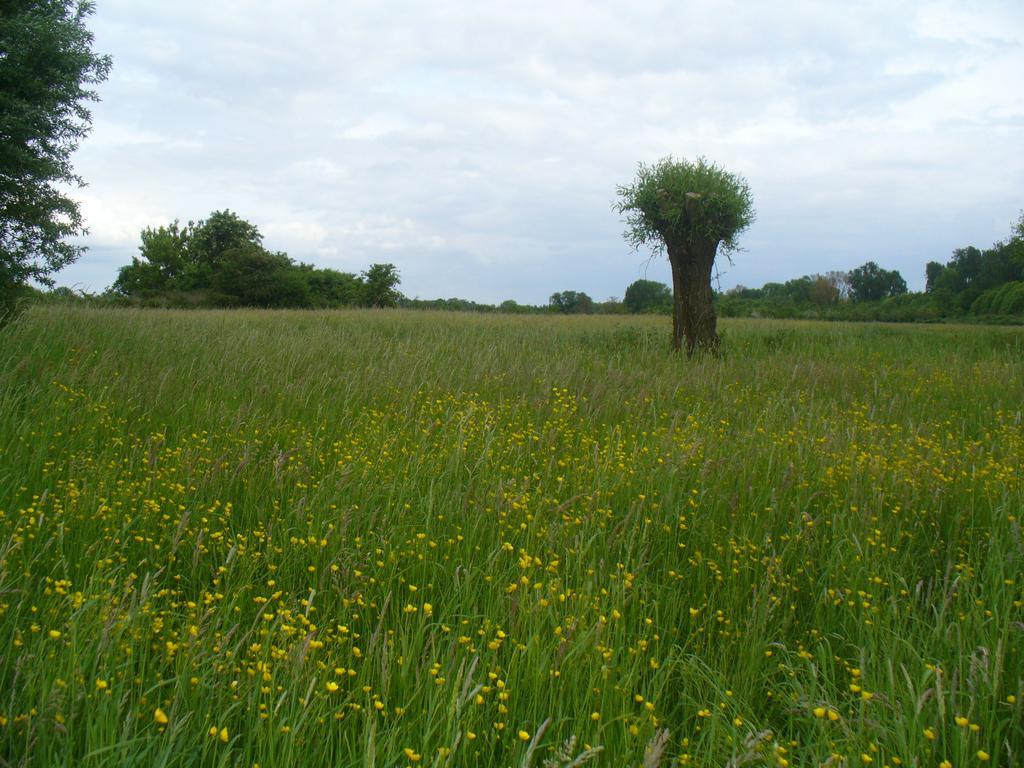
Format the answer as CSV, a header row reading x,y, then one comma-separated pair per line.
x,y
387,538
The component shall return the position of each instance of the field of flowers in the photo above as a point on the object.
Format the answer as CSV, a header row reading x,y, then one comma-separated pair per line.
x,y
390,539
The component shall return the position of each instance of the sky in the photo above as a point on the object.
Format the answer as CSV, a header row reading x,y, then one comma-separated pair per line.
x,y
478,145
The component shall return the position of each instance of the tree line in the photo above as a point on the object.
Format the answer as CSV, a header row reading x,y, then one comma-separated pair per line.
x,y
220,261
685,210
981,282
974,284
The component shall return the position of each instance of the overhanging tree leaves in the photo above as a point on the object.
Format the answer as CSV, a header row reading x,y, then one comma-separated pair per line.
x,y
46,66
687,209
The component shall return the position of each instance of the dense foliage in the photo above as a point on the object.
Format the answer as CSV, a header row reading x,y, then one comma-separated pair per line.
x,y
648,296
870,283
221,261
571,303
46,67
980,285
981,282
676,202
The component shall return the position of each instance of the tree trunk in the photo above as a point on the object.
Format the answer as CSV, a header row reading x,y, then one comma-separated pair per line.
x,y
692,310
677,306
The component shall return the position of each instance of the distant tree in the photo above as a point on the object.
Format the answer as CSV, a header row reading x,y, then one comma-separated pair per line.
x,y
584,304
186,258
46,66
331,288
612,306
870,282
968,263
138,278
254,277
1007,299
1016,241
823,291
971,281
164,255
380,283
1011,300
687,209
571,303
932,272
742,292
897,285
210,239
798,290
221,259
841,281
510,306
647,296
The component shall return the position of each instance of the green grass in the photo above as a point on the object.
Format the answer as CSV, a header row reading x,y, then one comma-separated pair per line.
x,y
388,538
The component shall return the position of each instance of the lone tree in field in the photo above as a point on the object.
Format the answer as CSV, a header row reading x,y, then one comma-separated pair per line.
x,y
688,210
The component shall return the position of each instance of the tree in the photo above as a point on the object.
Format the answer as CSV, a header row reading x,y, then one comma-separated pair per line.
x,y
46,66
209,240
1015,245
823,291
932,272
647,296
870,282
331,288
253,276
687,209
841,281
221,260
571,303
742,292
798,290
164,256
186,258
612,306
972,280
380,282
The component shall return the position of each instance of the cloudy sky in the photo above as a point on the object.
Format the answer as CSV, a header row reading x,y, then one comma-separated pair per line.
x,y
477,145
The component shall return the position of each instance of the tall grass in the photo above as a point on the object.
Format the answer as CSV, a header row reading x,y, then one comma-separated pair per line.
x,y
387,538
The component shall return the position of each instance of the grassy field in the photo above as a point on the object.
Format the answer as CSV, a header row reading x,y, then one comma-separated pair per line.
x,y
386,538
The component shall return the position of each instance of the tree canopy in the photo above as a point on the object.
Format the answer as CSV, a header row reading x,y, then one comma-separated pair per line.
x,y
46,67
571,303
870,282
678,203
644,296
380,283
974,280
